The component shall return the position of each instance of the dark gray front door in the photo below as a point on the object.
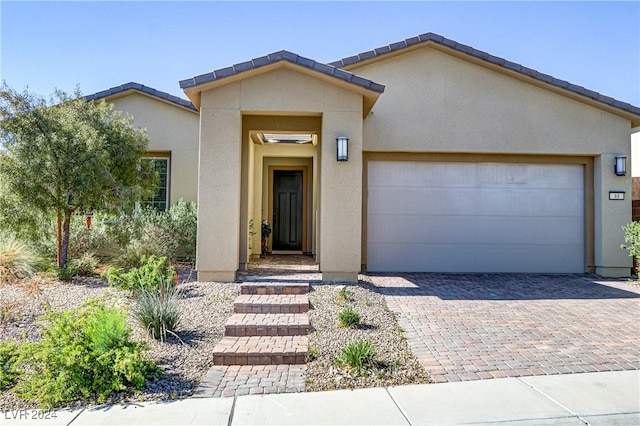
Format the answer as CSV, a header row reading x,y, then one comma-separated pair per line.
x,y
287,210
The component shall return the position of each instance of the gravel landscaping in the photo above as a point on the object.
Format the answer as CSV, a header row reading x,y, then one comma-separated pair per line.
x,y
394,363
205,308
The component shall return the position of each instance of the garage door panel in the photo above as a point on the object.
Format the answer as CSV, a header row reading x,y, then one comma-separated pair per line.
x,y
450,258
473,202
467,217
469,230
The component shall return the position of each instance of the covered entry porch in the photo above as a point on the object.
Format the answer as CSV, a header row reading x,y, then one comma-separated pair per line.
x,y
312,201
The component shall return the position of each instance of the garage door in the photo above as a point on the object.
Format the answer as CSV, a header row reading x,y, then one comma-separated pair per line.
x,y
475,217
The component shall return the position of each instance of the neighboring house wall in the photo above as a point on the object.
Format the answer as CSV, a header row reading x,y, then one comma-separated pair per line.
x,y
635,173
173,131
435,102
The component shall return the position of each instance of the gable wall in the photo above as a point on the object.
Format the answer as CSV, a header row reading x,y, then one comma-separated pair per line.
x,y
434,102
169,129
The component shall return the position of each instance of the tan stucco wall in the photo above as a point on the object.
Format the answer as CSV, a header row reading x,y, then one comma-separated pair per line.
x,y
223,212
435,102
171,129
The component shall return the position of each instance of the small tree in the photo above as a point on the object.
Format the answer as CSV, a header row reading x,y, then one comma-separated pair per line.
x,y
67,155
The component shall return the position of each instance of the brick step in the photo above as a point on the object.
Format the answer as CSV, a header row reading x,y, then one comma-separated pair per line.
x,y
261,350
267,325
274,288
271,304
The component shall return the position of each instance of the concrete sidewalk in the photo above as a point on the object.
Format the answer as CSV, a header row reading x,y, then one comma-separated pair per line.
x,y
608,398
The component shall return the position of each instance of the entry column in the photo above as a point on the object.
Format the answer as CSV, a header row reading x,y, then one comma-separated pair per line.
x,y
219,171
341,195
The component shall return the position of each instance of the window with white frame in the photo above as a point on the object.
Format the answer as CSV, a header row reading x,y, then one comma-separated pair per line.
x,y
160,200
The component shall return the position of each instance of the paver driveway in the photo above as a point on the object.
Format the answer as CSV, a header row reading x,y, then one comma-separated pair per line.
x,y
467,327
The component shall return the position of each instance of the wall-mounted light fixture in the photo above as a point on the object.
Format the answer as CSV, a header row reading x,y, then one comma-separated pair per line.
x,y
342,153
621,165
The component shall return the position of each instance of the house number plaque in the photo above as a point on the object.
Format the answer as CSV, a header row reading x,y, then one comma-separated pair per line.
x,y
616,195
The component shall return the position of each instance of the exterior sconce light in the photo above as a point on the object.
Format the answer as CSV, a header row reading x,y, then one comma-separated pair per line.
x,y
342,143
621,166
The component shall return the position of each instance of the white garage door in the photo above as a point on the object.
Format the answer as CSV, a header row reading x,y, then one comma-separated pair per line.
x,y
475,217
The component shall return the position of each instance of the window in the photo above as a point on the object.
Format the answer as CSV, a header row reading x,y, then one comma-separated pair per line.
x,y
160,200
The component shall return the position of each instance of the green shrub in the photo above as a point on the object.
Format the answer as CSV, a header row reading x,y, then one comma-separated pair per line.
x,y
84,354
85,264
632,236
9,370
157,311
143,234
67,273
357,355
184,224
152,275
349,317
17,260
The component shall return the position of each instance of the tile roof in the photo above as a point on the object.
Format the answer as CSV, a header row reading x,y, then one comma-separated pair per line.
x,y
435,38
282,55
144,89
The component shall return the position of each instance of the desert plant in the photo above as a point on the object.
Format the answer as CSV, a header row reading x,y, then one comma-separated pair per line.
x,y
146,233
84,353
153,274
9,370
632,236
17,260
184,224
85,264
357,355
343,295
9,312
157,312
349,317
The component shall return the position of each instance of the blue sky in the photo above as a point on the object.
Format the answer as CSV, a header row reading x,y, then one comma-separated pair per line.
x,y
98,45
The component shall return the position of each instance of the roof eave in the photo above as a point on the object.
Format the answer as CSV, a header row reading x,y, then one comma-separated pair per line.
x,y
129,88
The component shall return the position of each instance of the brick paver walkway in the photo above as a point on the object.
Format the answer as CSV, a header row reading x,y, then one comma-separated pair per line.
x,y
468,327
224,381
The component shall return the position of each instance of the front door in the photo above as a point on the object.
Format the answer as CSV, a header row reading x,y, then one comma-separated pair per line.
x,y
287,210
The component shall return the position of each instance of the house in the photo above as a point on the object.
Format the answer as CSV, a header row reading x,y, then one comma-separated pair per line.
x,y
172,126
456,161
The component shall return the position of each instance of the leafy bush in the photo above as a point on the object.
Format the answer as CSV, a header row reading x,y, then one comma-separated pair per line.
x,y
85,264
632,236
184,223
143,234
151,276
157,311
17,260
67,273
9,370
357,355
84,354
349,317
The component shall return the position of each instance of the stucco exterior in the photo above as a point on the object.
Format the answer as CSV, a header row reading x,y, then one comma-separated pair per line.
x,y
234,169
424,99
436,102
173,131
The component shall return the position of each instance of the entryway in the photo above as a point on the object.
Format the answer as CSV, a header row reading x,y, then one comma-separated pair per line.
x,y
287,210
